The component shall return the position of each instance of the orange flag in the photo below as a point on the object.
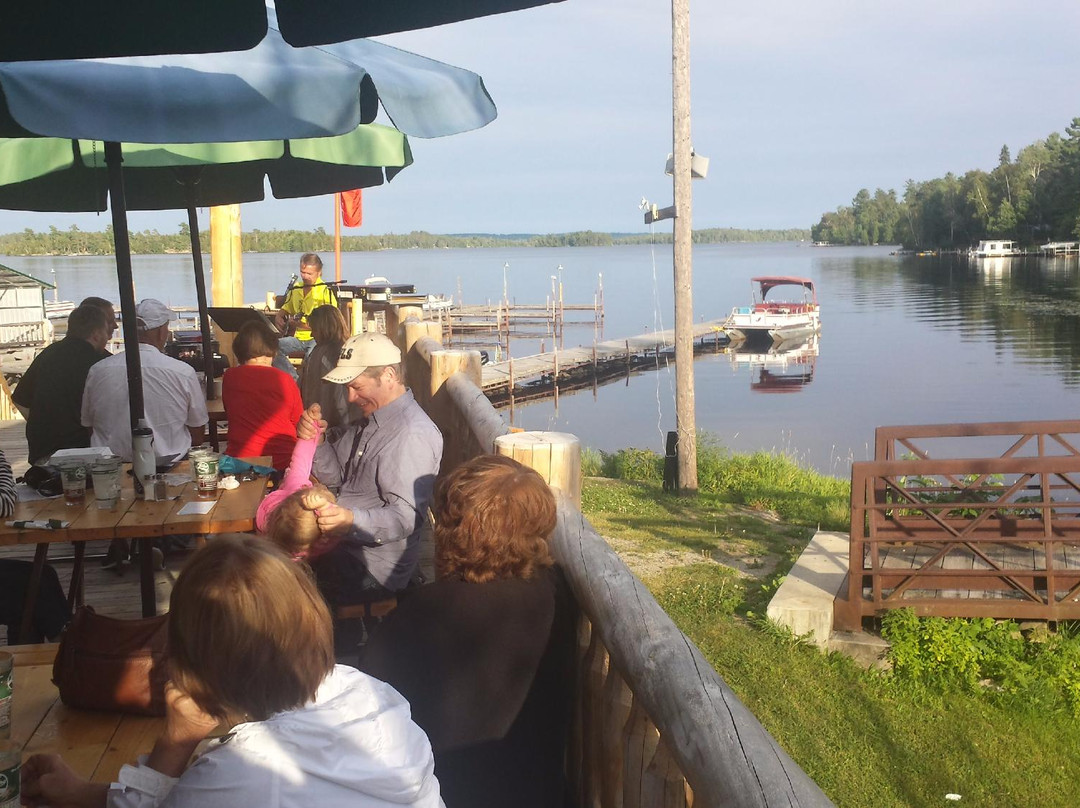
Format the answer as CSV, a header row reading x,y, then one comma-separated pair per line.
x,y
352,209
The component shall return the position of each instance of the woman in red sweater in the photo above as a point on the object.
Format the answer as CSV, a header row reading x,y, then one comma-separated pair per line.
x,y
262,403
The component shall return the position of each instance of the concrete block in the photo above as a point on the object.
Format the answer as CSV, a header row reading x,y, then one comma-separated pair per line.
x,y
804,601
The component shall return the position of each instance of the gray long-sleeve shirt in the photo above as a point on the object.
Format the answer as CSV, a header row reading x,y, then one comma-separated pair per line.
x,y
388,485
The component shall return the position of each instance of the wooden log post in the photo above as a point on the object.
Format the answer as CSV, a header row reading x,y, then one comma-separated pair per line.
x,y
415,330
555,455
451,419
445,364
356,314
617,700
592,676
662,784
640,739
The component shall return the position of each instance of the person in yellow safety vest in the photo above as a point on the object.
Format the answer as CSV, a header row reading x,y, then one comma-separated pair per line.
x,y
300,301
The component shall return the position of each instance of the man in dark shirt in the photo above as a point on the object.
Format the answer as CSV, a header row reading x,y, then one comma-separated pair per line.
x,y
110,314
50,393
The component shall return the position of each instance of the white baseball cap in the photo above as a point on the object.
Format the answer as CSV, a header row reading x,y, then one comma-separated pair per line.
x,y
150,314
361,352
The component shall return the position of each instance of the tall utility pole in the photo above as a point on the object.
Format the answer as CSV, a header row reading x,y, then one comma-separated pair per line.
x,y
684,288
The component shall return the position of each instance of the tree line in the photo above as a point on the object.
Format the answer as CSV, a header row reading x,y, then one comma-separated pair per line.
x,y
74,241
1032,199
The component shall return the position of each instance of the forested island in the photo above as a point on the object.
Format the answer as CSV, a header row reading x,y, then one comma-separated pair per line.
x,y
74,241
1032,199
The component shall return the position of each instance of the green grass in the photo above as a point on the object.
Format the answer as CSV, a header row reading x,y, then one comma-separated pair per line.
x,y
762,480
866,738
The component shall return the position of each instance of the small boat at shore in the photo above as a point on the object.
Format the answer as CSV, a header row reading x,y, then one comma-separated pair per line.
x,y
769,321
995,248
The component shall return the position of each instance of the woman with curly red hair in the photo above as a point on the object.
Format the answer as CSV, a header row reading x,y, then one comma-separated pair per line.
x,y
484,654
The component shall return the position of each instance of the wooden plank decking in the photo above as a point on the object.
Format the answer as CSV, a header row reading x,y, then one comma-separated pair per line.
x,y
1018,556
500,375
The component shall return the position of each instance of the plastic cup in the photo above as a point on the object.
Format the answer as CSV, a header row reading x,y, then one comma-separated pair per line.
x,y
106,476
73,474
204,464
10,765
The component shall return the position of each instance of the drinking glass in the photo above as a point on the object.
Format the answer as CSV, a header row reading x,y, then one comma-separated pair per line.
x,y
73,474
106,476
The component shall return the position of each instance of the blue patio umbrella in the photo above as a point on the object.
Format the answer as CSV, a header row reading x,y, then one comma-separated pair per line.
x,y
274,91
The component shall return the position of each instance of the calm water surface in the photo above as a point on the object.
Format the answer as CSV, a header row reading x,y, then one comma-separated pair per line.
x,y
904,340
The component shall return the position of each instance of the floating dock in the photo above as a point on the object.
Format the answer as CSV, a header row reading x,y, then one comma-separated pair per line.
x,y
541,374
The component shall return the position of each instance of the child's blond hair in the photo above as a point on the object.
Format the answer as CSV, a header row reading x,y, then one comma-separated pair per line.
x,y
293,525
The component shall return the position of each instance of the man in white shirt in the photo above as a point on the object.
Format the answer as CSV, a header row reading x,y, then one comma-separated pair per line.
x,y
174,402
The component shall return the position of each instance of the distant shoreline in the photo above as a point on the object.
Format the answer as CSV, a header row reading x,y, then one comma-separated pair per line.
x,y
78,243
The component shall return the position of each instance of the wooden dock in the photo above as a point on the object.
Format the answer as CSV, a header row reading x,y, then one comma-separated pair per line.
x,y
518,377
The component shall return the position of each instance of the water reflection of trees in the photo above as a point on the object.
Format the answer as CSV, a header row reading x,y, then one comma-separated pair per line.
x,y
1029,305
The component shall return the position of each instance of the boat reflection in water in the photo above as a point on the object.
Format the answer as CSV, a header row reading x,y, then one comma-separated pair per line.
x,y
786,367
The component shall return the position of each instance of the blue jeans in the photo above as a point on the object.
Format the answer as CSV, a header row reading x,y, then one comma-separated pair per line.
x,y
288,345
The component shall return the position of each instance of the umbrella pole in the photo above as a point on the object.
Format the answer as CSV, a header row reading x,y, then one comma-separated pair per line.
x,y
114,159
200,296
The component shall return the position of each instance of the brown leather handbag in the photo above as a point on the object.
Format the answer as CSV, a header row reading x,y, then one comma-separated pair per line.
x,y
104,663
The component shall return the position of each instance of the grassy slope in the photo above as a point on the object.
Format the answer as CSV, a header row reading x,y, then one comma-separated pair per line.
x,y
864,740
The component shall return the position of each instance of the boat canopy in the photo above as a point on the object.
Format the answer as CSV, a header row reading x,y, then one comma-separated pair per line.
x,y
769,282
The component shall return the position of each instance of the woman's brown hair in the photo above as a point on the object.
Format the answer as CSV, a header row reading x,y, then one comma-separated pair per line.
x,y
328,326
255,338
492,520
292,525
249,633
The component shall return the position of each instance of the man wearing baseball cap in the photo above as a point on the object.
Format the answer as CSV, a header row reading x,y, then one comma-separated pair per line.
x,y
383,470
174,402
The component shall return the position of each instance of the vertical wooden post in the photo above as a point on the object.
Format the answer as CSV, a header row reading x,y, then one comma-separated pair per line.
x,y
337,237
226,256
226,268
356,310
685,421
555,455
415,330
445,364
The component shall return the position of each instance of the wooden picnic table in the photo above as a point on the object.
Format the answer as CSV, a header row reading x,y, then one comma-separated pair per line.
x,y
232,512
94,743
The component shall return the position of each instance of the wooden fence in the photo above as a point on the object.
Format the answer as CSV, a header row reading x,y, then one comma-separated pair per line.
x,y
967,536
655,725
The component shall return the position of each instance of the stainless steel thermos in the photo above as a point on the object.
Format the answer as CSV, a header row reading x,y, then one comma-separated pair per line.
x,y
143,461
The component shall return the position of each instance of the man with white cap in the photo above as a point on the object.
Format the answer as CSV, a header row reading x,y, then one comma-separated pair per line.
x,y
174,402
383,470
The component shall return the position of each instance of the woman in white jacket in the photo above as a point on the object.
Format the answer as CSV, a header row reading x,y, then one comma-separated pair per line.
x,y
251,646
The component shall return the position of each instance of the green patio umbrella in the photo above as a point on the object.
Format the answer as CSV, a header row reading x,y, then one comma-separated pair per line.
x,y
54,174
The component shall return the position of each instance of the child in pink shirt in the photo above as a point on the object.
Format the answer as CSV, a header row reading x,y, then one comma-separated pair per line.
x,y
289,514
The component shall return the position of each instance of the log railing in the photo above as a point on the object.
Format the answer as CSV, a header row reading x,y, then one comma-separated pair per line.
x,y
655,725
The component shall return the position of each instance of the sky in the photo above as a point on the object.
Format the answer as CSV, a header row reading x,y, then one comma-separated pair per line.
x,y
798,105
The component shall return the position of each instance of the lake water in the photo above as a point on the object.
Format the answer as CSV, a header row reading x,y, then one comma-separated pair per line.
x,y
904,340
